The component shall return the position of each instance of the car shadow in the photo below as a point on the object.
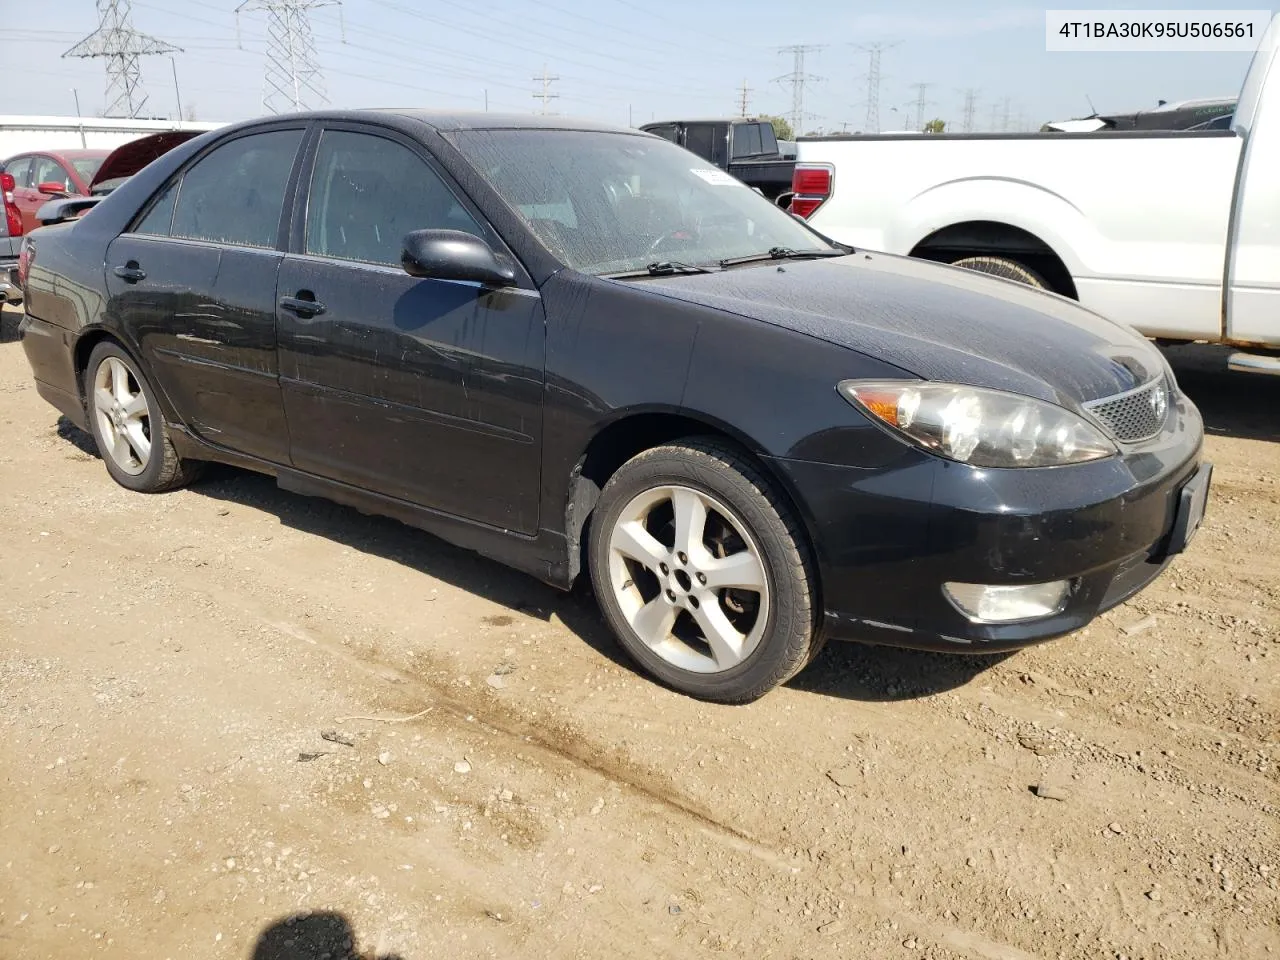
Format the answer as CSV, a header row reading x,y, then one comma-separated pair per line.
x,y
312,936
9,320
876,674
1242,405
845,670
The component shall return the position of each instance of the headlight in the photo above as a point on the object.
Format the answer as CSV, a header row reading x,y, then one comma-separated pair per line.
x,y
987,428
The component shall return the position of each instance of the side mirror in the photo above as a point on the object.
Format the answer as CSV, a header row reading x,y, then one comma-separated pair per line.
x,y
454,255
52,188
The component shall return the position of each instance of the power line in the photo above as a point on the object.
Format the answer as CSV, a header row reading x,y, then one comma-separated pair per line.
x,y
874,50
122,46
920,103
545,95
743,93
292,79
970,102
798,78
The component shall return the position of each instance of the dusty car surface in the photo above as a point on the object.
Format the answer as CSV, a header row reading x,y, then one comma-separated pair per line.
x,y
575,348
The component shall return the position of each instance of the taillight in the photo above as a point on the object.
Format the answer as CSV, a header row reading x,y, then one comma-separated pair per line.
x,y
12,217
25,258
811,184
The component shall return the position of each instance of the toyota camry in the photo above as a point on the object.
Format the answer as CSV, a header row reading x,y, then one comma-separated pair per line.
x,y
581,351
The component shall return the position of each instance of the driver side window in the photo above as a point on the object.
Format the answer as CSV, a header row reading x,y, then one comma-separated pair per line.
x,y
368,192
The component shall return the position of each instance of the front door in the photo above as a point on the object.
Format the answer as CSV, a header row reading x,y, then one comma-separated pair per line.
x,y
428,391
193,283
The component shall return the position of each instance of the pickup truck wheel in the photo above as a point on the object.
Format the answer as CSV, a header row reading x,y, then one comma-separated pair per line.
x,y
1004,268
703,572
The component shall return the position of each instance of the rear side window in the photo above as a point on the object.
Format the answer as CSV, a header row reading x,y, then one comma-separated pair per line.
x,y
746,140
667,131
159,219
21,170
235,194
367,192
698,138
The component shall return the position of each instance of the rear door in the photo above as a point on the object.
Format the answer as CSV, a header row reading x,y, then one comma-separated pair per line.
x,y
193,283
429,391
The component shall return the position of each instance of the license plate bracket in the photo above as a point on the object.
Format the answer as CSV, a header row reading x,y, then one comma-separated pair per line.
x,y
1193,499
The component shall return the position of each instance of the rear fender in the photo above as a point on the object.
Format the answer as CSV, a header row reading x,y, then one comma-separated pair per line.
x,y
1017,203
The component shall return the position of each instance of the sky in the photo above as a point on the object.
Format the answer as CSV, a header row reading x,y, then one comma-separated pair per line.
x,y
621,61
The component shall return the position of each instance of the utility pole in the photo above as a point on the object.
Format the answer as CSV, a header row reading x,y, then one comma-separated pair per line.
x,y
545,95
920,103
874,50
121,46
292,79
1004,115
743,92
970,101
798,78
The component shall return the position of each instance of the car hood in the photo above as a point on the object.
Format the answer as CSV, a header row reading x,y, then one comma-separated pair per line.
x,y
936,322
127,159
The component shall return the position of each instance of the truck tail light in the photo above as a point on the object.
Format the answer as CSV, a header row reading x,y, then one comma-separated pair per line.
x,y
12,217
811,186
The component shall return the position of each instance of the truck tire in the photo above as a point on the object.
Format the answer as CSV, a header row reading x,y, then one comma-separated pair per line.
x,y
1004,268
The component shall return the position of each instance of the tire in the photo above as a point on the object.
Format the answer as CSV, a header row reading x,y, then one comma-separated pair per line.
x,y
141,420
1003,268
749,535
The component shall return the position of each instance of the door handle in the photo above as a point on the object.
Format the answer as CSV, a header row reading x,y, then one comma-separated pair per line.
x,y
130,273
302,307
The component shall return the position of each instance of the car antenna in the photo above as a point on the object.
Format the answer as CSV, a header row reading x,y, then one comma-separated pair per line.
x,y
1093,111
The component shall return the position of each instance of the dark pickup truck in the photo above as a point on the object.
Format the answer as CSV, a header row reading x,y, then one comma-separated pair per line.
x,y
745,147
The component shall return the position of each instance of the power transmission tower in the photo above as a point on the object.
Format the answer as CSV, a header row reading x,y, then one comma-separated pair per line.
x,y
798,79
743,91
874,50
292,79
121,45
920,103
970,102
1004,115
545,95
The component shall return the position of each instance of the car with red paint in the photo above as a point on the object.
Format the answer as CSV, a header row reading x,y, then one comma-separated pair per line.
x,y
43,175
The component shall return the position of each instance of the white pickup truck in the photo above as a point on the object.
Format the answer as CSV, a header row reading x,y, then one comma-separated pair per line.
x,y
1174,233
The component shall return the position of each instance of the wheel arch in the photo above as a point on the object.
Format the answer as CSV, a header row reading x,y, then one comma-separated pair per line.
x,y
993,238
635,431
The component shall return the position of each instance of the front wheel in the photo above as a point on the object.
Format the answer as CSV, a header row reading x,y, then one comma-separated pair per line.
x,y
128,426
703,572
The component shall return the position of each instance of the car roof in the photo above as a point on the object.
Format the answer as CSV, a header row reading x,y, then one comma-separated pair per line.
x,y
451,121
75,154
658,123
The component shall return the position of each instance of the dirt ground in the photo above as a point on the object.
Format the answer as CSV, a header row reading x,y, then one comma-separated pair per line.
x,y
239,723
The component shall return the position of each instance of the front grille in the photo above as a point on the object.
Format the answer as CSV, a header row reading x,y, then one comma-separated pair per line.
x,y
1136,415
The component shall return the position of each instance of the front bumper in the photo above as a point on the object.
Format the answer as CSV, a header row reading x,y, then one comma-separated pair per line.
x,y
888,538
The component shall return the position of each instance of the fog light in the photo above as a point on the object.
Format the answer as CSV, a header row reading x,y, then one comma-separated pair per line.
x,y
1005,604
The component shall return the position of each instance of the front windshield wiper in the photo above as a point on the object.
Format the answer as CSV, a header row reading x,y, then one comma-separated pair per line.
x,y
781,253
662,268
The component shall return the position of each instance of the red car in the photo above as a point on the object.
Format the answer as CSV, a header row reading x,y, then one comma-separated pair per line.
x,y
41,176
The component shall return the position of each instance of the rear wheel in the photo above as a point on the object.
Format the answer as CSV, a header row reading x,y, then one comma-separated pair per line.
x,y
128,426
1004,268
703,572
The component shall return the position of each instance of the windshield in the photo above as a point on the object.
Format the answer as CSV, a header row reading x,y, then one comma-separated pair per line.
x,y
86,167
614,203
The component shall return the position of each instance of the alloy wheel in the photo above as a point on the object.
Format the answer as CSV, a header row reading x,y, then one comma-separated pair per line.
x,y
689,579
123,416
